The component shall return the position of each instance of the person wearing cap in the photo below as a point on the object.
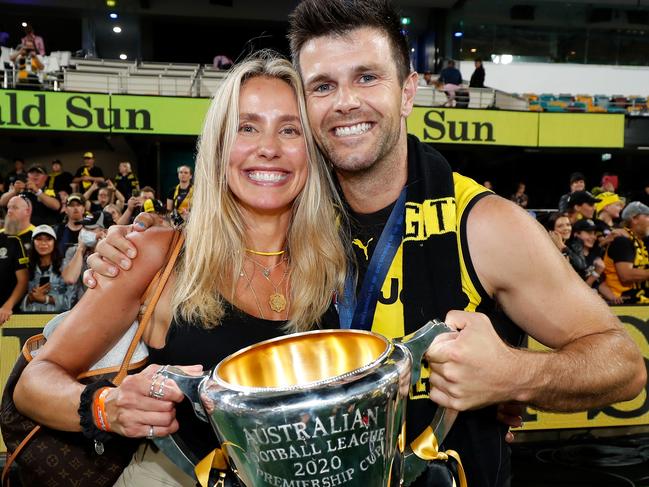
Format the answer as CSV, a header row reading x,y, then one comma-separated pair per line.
x,y
608,211
18,220
74,264
45,203
67,233
584,242
88,173
47,293
627,260
581,204
577,183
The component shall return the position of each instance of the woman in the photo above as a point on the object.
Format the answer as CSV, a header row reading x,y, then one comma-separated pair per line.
x,y
114,212
262,257
584,243
47,293
560,229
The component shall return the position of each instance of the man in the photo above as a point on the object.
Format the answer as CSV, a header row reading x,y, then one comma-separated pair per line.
x,y
59,179
451,79
88,173
477,78
581,204
427,79
577,183
37,41
45,203
360,90
179,199
67,233
18,220
15,277
627,260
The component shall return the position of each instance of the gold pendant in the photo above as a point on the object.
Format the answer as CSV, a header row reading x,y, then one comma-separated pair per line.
x,y
277,302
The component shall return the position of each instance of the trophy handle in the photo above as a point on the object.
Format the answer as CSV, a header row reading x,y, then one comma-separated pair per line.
x,y
418,342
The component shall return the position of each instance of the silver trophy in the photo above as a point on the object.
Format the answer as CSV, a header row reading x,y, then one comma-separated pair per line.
x,y
320,408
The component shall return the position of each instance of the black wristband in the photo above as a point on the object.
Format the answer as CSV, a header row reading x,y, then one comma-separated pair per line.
x,y
88,426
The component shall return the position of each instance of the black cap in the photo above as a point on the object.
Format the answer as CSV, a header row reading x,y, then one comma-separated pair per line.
x,y
576,176
37,168
98,219
584,225
581,197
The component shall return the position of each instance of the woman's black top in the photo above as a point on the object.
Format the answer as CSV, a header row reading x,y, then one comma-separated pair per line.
x,y
191,344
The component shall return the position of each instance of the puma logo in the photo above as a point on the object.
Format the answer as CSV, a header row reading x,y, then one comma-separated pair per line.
x,y
362,246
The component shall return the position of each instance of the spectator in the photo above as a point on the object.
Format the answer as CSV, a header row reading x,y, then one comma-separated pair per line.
x,y
74,263
125,180
47,291
18,220
134,205
609,184
577,183
608,214
627,260
19,170
28,63
67,233
581,204
45,203
179,199
427,79
106,195
519,197
14,275
478,76
222,62
88,173
584,243
37,41
560,230
114,212
451,80
59,180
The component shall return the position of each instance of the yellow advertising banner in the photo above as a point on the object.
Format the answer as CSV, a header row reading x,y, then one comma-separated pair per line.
x,y
485,127
603,130
630,413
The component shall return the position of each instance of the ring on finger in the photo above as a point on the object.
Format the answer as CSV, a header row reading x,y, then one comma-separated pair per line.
x,y
151,434
160,393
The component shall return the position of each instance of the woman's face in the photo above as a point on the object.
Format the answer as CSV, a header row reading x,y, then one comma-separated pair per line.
x,y
114,212
268,162
44,244
563,227
587,237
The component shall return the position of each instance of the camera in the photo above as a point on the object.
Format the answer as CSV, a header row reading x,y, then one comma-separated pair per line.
x,y
102,184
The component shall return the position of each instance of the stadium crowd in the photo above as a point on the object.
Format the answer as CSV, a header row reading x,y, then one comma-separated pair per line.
x,y
52,220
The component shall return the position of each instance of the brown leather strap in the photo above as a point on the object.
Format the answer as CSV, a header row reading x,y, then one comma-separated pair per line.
x,y
12,458
174,250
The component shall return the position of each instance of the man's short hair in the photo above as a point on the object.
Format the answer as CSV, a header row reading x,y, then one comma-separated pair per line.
x,y
318,18
147,189
184,165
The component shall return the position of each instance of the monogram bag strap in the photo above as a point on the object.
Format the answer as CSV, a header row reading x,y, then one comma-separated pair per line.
x,y
176,245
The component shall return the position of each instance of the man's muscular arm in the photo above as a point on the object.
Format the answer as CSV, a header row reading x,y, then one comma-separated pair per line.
x,y
593,361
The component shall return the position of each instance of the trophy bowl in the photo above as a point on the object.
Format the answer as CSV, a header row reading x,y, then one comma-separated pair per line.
x,y
320,408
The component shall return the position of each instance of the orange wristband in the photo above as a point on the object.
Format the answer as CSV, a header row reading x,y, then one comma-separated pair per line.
x,y
99,409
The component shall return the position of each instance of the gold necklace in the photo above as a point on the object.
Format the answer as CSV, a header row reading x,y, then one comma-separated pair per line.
x,y
267,270
277,300
267,254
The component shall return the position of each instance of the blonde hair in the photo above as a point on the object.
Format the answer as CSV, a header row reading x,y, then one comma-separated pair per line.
x,y
215,231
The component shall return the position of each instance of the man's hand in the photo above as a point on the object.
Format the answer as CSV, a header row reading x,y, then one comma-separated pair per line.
x,y
5,314
511,414
116,251
472,368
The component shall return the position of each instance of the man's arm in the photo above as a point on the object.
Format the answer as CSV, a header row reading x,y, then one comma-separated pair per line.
x,y
6,310
49,201
71,270
593,362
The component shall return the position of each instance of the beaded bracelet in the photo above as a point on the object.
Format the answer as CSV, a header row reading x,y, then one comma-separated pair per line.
x,y
86,415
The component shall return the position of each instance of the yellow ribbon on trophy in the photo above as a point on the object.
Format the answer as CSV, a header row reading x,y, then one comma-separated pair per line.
x,y
425,447
217,458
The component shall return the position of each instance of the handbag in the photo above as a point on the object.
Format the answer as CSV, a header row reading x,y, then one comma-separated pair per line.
x,y
51,457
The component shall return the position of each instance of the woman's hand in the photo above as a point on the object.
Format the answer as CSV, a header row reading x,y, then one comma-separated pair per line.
x,y
134,411
557,239
39,293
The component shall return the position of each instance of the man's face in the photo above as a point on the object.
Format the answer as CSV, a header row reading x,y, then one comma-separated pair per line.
x,y
147,195
184,174
586,209
579,185
89,161
74,211
37,177
18,212
355,101
56,167
640,225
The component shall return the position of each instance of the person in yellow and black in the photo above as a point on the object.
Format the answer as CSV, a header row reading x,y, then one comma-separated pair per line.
x,y
88,174
59,179
627,259
18,220
26,60
179,199
13,275
45,202
125,180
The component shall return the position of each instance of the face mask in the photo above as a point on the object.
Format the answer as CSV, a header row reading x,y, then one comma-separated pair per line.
x,y
89,239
